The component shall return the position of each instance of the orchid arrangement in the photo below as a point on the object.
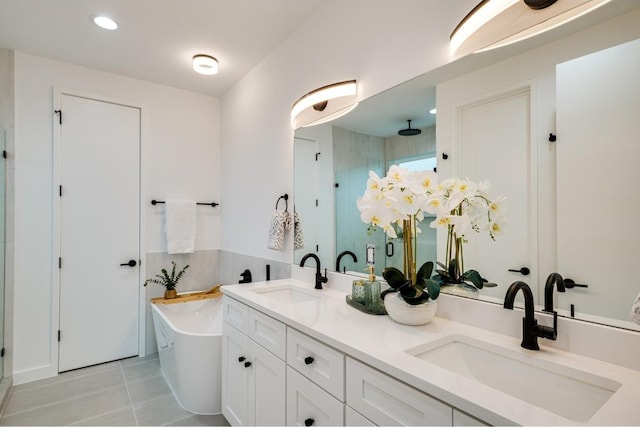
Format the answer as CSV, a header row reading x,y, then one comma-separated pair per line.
x,y
400,199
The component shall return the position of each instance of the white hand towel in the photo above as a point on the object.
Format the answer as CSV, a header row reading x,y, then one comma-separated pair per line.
x,y
635,310
180,226
280,222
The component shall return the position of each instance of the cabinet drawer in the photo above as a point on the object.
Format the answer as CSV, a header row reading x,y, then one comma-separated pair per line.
x,y
386,401
308,404
268,332
235,313
320,363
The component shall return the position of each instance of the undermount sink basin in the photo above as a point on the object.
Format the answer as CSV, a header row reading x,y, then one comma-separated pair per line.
x,y
288,293
571,393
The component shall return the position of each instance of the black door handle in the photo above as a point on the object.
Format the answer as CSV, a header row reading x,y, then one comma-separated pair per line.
x,y
569,283
524,271
308,360
247,364
241,359
131,263
309,422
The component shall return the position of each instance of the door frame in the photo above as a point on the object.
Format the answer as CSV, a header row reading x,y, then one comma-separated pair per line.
x,y
58,92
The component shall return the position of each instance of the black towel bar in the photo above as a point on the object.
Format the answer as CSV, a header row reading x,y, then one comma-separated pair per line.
x,y
212,204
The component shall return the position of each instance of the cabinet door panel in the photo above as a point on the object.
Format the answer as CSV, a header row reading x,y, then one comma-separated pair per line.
x,y
268,332
266,387
235,376
309,404
236,314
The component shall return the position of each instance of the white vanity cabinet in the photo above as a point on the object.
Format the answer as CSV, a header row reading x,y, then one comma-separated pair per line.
x,y
253,366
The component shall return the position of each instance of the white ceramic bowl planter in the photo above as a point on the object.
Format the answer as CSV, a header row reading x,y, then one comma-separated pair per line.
x,y
408,314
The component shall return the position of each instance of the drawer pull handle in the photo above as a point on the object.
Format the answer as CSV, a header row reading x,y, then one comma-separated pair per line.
x,y
247,364
241,359
308,360
309,422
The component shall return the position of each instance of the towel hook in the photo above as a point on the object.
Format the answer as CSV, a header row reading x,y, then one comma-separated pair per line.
x,y
286,203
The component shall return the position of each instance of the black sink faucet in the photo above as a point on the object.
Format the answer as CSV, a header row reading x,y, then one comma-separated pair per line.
x,y
553,279
320,279
530,328
343,253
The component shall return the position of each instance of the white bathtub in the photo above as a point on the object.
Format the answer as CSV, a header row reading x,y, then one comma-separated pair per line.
x,y
189,336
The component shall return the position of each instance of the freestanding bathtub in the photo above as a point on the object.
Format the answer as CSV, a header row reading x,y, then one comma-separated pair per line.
x,y
189,336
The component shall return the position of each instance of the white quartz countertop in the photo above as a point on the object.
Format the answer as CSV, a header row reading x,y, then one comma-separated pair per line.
x,y
382,343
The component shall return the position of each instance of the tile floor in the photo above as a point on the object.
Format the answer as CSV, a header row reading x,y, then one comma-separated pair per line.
x,y
129,392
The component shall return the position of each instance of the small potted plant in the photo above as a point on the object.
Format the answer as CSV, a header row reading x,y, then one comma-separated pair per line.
x,y
169,281
413,302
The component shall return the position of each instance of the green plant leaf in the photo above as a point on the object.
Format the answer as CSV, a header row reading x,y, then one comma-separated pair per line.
x,y
490,285
394,277
424,274
433,288
441,265
420,299
453,269
474,277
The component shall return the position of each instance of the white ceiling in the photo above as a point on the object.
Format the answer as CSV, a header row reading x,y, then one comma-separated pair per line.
x,y
157,38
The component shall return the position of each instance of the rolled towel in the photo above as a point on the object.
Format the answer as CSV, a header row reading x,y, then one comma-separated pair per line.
x,y
180,226
280,222
635,310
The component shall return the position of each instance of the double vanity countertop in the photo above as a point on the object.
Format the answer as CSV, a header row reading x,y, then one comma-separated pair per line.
x,y
475,370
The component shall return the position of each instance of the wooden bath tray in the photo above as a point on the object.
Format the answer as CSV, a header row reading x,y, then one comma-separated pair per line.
x,y
211,293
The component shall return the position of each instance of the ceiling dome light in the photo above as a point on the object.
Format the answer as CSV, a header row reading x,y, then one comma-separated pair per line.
x,y
324,104
104,22
205,64
433,111
496,23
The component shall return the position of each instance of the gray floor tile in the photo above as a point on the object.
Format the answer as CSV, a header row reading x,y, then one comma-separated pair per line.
x,y
121,417
25,400
202,420
159,411
73,410
148,388
139,371
135,360
66,376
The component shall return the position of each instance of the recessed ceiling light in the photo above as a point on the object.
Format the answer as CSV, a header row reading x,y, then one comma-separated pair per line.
x,y
432,111
205,64
104,22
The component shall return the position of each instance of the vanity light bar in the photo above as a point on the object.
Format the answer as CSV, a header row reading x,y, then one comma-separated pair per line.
x,y
496,23
314,107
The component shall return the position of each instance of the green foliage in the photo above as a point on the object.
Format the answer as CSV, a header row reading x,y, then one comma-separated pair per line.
x,y
450,275
422,291
169,281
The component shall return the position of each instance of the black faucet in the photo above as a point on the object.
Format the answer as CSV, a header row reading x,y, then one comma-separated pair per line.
x,y
246,276
530,328
553,279
320,279
343,253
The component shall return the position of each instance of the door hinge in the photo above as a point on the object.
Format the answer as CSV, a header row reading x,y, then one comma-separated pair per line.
x,y
60,191
316,203
337,185
58,335
59,113
4,154
317,155
60,262
2,352
317,248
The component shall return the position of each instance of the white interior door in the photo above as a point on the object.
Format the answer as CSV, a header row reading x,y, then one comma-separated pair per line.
x,y
500,152
306,176
99,231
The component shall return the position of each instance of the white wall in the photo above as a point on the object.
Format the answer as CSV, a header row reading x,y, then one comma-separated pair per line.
x,y
379,43
180,137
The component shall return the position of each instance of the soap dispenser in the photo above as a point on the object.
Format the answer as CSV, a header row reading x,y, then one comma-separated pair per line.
x,y
372,300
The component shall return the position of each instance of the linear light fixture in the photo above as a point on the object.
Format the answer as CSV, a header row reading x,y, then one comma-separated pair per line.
x,y
324,104
205,64
496,23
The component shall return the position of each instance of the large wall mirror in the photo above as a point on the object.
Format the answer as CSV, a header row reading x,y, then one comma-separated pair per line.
x,y
564,208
